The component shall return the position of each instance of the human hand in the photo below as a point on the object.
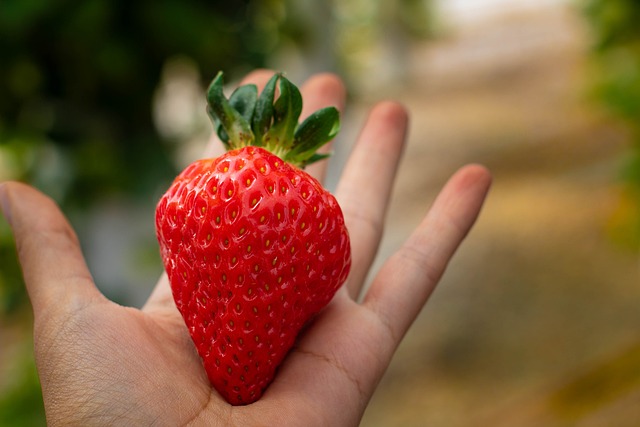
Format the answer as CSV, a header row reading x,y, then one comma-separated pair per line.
x,y
102,363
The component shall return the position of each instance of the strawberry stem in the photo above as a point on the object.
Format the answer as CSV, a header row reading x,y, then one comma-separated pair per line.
x,y
266,121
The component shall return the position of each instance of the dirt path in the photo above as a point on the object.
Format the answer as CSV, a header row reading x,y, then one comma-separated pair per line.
x,y
539,293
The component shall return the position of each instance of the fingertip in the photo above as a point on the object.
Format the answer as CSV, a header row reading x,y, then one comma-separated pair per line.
x,y
326,78
475,176
386,128
463,196
258,77
8,189
33,213
17,195
477,169
391,110
330,85
48,248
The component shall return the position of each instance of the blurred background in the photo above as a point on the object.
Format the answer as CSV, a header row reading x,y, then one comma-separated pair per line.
x,y
536,321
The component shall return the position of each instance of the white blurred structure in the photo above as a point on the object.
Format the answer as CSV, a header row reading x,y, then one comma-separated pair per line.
x,y
468,12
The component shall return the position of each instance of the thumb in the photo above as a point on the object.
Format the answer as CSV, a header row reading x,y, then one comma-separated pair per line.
x,y
54,270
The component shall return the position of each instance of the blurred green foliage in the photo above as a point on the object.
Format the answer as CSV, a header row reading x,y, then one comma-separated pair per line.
x,y
616,50
77,86
21,405
78,77
12,294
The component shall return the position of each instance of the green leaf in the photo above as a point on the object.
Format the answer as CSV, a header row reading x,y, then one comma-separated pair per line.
x,y
229,122
286,112
314,158
271,122
244,99
318,129
263,114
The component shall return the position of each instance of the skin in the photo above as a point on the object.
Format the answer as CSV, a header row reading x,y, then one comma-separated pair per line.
x,y
101,363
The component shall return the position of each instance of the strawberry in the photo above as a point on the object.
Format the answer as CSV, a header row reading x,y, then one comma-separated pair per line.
x,y
253,245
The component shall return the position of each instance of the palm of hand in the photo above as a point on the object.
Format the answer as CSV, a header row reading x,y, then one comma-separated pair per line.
x,y
144,363
101,363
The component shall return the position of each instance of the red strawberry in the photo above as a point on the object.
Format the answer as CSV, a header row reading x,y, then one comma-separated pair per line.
x,y
253,245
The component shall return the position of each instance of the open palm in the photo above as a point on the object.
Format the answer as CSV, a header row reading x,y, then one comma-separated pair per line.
x,y
102,363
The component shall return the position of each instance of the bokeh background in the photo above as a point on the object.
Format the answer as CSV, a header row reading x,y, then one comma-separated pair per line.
x,y
537,320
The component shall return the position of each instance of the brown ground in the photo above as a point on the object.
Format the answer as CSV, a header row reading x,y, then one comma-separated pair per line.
x,y
536,320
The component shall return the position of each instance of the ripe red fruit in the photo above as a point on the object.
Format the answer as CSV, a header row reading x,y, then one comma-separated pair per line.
x,y
253,245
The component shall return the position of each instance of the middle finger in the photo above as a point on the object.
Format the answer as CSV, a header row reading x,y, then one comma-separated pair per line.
x,y
366,184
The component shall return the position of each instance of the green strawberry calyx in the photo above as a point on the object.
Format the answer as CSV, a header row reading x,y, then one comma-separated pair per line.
x,y
248,119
